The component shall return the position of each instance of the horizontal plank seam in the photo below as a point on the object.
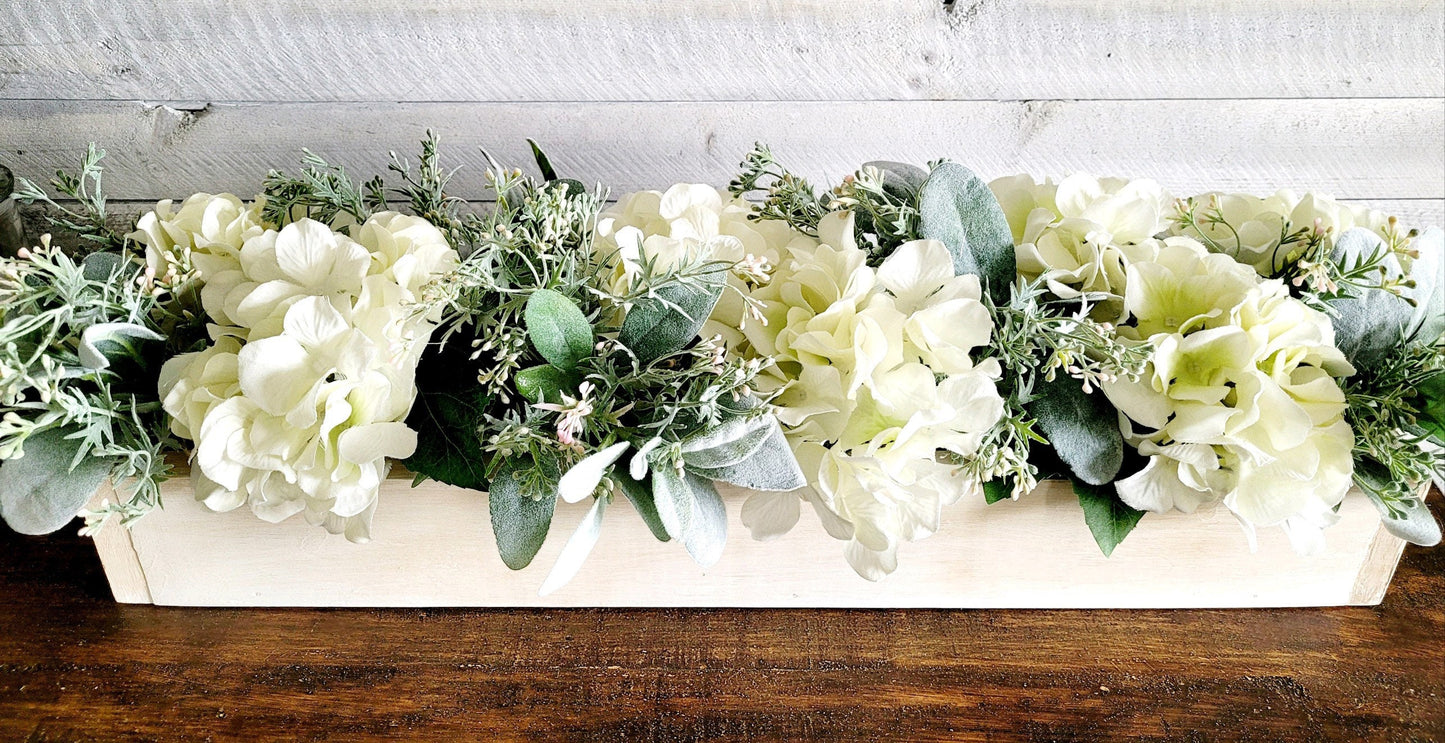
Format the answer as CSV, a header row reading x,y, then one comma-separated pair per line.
x,y
328,101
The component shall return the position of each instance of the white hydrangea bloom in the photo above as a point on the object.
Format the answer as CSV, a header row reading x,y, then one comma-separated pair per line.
x,y
1253,227
1081,234
879,378
203,236
298,407
1239,404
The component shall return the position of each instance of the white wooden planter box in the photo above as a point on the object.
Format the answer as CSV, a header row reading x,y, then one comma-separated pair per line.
x,y
433,546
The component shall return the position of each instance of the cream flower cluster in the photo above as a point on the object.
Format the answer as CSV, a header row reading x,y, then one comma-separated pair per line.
x,y
301,399
879,379
1254,226
1081,234
1239,404
682,226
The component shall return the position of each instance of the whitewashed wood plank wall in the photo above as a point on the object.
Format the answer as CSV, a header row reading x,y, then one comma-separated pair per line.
x,y
1342,96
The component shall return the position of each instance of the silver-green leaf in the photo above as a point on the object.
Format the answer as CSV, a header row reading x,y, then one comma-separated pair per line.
x,y
957,208
43,490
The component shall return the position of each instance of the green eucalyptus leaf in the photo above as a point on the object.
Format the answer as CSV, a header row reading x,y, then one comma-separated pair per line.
x,y
544,163
43,490
544,383
660,325
770,467
1431,415
957,208
520,520
1083,428
558,329
1109,519
640,493
997,490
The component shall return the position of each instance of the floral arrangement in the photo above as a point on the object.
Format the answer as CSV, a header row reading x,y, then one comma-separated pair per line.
x,y
879,351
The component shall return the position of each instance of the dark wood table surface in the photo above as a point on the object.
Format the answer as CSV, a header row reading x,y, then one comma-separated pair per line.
x,y
76,666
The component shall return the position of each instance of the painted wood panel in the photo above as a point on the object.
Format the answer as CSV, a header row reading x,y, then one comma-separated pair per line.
x,y
432,546
1376,149
645,50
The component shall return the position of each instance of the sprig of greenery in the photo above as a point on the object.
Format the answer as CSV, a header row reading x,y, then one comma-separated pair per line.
x,y
322,191
1393,456
47,302
1302,255
90,222
786,196
1034,340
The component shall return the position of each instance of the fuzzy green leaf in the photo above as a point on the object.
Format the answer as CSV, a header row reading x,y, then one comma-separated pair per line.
x,y
1109,519
692,511
558,329
544,383
727,443
661,325
1082,428
957,208
1428,271
41,492
640,493
106,342
519,519
900,179
1417,526
769,467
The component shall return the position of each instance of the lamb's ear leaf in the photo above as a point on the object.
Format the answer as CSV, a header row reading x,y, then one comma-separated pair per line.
x,y
520,520
1428,271
101,266
957,208
708,535
103,343
658,325
900,179
727,443
640,493
770,467
558,329
1109,519
578,547
692,512
1368,326
43,490
1082,428
1416,526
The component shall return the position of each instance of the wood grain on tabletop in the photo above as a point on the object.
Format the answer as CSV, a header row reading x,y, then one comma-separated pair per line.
x,y
75,666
